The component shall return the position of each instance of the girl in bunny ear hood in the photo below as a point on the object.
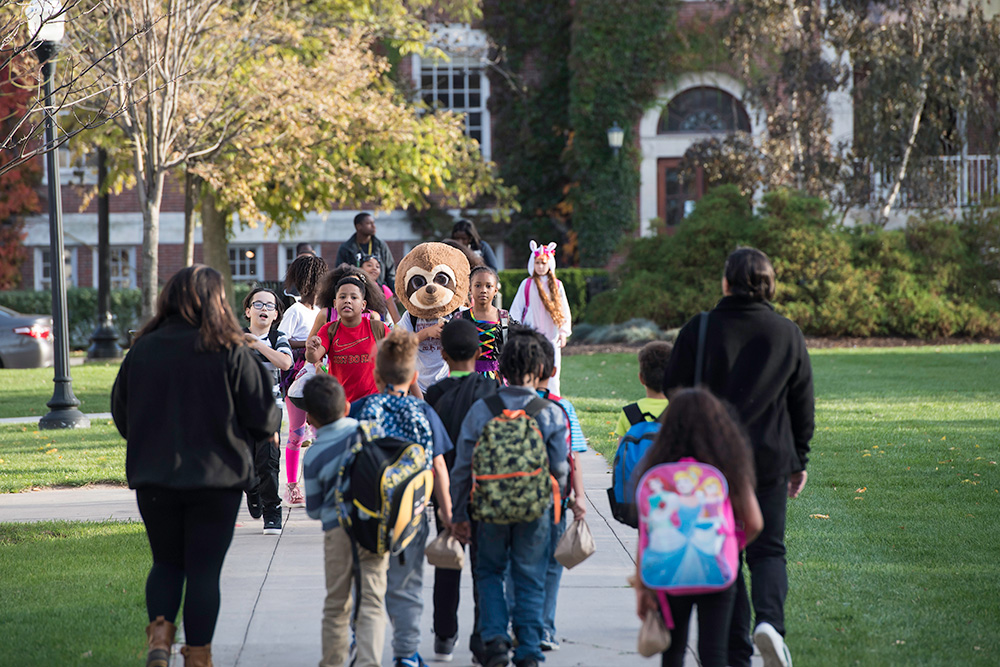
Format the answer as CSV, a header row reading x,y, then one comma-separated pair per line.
x,y
541,304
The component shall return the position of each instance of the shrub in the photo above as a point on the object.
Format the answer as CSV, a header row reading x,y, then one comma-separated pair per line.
x,y
936,278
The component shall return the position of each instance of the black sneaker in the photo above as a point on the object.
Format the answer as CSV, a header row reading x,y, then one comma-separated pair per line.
x,y
444,649
253,504
497,653
272,522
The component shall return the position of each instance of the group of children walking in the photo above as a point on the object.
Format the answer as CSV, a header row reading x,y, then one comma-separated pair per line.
x,y
465,388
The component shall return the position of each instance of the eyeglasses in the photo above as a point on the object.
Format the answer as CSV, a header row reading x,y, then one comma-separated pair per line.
x,y
260,305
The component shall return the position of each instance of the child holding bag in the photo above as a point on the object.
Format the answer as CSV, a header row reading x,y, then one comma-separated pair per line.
x,y
697,425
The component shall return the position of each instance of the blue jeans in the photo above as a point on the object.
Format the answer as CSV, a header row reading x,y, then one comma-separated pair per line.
x,y
553,575
525,546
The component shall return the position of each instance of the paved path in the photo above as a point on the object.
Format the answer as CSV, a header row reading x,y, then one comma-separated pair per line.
x,y
272,587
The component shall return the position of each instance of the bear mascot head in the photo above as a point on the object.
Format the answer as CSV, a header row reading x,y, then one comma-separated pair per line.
x,y
432,280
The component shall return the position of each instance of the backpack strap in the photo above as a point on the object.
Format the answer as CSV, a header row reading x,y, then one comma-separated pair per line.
x,y
495,404
699,359
527,298
378,329
272,337
331,331
633,414
534,406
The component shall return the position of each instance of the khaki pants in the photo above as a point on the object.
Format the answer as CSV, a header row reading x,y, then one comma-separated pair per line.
x,y
370,627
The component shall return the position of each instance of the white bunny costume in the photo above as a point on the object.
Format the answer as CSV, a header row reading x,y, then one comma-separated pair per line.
x,y
530,309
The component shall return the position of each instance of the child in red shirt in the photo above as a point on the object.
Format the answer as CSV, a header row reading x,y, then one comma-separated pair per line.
x,y
351,342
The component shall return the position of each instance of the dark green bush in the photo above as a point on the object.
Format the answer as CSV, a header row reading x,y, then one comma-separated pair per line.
x,y
938,277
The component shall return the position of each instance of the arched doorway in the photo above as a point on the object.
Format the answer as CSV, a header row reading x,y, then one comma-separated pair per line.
x,y
699,107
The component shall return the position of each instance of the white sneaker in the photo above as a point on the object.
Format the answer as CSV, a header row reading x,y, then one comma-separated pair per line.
x,y
772,647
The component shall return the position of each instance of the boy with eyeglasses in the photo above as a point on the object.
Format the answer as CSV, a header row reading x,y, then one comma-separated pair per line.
x,y
263,310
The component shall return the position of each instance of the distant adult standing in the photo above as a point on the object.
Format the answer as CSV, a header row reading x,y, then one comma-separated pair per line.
x,y
363,243
465,232
757,360
304,249
189,399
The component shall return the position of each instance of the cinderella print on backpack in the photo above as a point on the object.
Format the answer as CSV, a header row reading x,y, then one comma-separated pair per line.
x,y
688,543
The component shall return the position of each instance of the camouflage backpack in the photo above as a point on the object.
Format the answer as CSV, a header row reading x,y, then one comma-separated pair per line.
x,y
510,466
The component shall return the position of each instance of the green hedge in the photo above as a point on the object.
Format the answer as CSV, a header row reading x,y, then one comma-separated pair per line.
x,y
580,284
935,278
81,302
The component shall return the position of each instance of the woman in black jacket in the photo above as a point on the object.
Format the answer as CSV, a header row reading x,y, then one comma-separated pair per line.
x,y
188,399
757,361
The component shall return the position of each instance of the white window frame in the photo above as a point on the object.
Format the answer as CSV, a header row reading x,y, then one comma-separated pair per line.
x,y
72,280
258,260
466,48
284,249
79,171
130,253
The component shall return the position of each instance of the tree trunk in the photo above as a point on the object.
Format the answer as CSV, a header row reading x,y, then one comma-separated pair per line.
x,y
907,153
214,238
190,185
150,247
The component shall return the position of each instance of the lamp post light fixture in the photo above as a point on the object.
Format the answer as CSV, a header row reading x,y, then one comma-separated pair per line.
x,y
46,26
616,136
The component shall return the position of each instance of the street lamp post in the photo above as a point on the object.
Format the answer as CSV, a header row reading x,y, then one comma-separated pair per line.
x,y
104,340
47,26
616,136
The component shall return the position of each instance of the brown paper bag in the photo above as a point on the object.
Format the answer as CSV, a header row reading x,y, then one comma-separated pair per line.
x,y
576,544
446,552
653,635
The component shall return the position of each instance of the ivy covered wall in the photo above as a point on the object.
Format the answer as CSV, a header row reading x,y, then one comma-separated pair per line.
x,y
565,72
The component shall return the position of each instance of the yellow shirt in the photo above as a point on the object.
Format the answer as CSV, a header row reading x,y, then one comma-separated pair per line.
x,y
653,406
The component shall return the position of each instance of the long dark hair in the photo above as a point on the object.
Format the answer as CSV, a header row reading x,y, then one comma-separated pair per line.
x,y
196,295
698,425
469,228
326,295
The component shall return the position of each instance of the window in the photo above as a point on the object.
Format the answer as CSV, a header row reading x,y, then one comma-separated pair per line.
x,y
121,261
459,83
43,268
245,262
122,268
704,110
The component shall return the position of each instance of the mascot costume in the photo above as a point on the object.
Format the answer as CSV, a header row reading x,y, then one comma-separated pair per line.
x,y
541,304
432,281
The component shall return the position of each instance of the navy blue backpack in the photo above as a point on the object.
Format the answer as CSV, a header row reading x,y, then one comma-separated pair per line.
x,y
640,435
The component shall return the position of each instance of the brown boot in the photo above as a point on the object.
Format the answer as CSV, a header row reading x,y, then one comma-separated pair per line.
x,y
197,656
160,637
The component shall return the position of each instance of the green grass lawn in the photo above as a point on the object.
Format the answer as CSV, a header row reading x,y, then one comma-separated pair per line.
x,y
24,392
892,544
73,593
73,457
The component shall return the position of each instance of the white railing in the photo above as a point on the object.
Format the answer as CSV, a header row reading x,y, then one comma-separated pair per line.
x,y
947,181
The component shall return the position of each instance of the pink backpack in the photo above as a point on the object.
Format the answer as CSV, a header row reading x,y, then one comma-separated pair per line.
x,y
688,541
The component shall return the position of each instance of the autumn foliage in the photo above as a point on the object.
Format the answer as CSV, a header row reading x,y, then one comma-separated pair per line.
x,y
17,186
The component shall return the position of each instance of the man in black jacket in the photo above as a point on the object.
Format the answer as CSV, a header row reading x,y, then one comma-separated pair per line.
x,y
364,242
757,361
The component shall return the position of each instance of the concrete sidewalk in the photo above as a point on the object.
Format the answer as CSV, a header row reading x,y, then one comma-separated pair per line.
x,y
273,587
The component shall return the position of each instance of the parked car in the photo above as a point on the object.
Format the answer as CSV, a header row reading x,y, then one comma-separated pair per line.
x,y
25,340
